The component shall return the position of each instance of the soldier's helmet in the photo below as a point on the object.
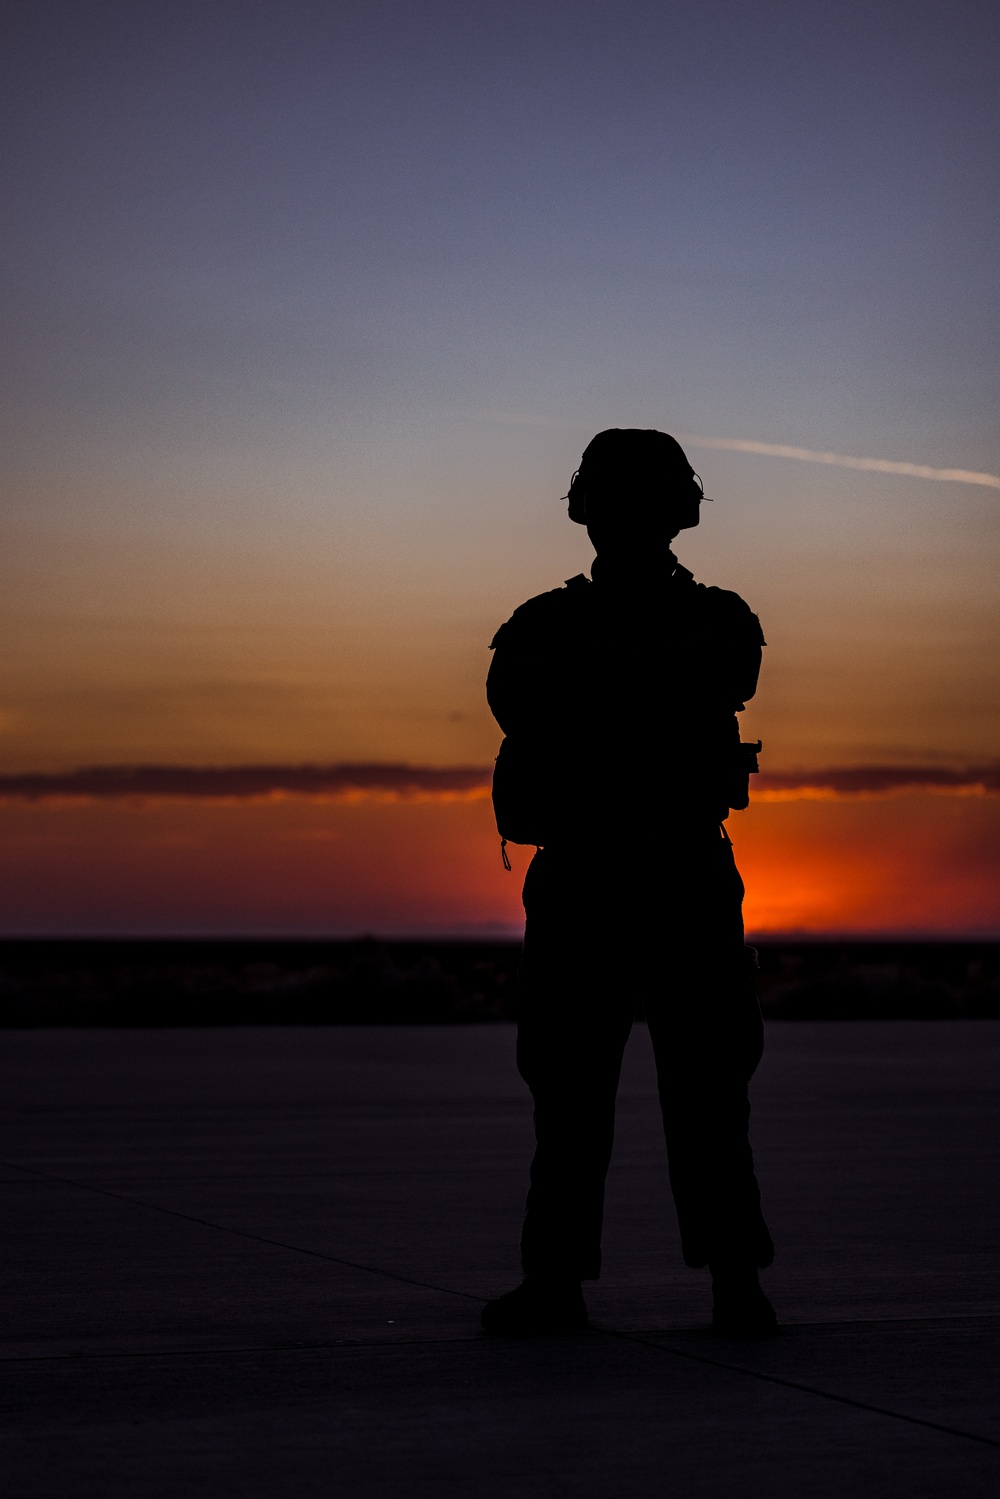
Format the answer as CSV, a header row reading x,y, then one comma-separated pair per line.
x,y
630,459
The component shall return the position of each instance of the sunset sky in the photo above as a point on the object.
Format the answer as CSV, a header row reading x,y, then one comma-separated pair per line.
x,y
310,311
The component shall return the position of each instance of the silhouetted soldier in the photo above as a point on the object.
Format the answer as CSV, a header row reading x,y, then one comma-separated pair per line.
x,y
618,699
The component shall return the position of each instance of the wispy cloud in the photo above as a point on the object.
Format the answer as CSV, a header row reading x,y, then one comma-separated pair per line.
x,y
843,460
392,782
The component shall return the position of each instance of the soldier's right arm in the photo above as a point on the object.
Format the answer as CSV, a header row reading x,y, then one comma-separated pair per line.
x,y
501,683
519,686
510,688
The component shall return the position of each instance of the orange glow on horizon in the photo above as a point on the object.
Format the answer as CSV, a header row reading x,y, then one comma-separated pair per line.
x,y
924,864
919,864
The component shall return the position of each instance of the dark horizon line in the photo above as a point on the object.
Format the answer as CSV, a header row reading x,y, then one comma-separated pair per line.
x,y
754,939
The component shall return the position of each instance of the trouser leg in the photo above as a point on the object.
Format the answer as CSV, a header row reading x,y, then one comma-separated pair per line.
x,y
708,1037
707,1046
572,1066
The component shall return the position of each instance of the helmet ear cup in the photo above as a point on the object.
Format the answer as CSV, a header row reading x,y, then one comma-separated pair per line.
x,y
577,497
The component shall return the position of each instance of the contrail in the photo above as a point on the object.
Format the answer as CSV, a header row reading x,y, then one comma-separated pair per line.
x,y
841,460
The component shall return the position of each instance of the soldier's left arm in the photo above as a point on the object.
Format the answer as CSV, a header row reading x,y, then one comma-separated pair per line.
x,y
744,645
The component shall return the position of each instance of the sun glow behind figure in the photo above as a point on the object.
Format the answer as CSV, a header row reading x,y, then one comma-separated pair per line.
x,y
313,320
917,864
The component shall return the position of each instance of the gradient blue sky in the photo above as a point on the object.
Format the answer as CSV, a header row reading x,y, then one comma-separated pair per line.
x,y
312,308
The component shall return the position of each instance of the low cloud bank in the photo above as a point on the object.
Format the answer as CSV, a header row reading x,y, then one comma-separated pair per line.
x,y
249,782
878,780
375,782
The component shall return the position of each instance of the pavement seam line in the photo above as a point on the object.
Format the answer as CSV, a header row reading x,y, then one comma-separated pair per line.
x,y
475,1338
351,1345
341,1346
241,1233
791,1384
468,1296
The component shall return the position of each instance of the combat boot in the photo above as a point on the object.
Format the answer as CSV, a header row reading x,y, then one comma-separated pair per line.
x,y
739,1307
540,1306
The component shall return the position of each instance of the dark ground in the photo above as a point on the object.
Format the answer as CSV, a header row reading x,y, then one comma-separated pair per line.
x,y
269,982
248,1261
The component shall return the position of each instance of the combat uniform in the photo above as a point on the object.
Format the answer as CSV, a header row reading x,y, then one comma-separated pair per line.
x,y
621,761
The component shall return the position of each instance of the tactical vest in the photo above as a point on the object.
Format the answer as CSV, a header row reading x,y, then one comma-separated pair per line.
x,y
569,684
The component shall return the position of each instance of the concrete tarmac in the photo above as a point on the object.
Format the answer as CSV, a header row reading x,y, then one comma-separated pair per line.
x,y
251,1261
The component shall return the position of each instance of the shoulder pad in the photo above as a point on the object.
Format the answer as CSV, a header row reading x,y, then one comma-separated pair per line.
x,y
544,609
736,612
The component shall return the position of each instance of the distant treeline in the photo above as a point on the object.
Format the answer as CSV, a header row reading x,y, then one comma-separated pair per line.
x,y
369,981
